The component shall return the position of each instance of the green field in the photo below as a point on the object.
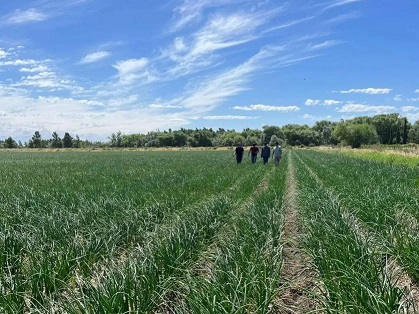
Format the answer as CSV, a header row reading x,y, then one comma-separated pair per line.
x,y
193,232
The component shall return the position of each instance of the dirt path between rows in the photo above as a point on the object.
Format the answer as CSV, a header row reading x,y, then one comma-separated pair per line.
x,y
298,272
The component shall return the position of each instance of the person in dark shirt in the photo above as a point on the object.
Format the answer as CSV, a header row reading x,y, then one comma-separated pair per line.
x,y
239,152
266,153
254,150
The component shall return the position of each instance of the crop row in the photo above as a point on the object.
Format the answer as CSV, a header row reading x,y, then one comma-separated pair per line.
x,y
335,191
109,232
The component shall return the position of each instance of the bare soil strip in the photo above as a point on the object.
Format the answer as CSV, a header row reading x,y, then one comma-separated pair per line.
x,y
410,302
298,272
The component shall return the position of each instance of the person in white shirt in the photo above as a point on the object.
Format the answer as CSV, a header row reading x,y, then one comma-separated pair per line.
x,y
277,153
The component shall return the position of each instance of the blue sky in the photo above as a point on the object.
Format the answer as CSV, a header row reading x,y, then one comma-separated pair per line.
x,y
93,67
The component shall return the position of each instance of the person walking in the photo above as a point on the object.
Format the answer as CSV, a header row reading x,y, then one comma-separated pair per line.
x,y
239,152
266,153
277,153
254,150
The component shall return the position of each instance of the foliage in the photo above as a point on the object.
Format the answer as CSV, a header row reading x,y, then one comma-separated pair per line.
x,y
355,135
56,141
10,143
67,140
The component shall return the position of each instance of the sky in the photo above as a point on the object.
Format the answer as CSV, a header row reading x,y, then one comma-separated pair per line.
x,y
95,67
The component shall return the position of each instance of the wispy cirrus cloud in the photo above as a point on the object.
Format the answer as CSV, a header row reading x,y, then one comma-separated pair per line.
x,y
191,12
25,16
343,18
366,108
165,106
372,91
260,107
221,31
337,3
325,44
95,57
229,117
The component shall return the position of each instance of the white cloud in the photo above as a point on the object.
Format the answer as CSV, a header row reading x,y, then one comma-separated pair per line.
x,y
413,116
331,102
131,70
267,108
416,91
398,97
315,118
366,108
409,108
312,102
3,54
367,91
28,16
95,57
19,62
413,99
325,44
229,117
343,17
40,68
190,11
162,106
338,3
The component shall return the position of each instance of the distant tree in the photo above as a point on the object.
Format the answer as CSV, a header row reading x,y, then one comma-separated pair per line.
x,y
405,131
270,130
67,140
77,142
300,135
389,127
356,135
35,141
10,143
414,133
56,141
238,139
325,129
179,138
116,139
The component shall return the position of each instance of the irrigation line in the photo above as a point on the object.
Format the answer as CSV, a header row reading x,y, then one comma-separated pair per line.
x,y
299,275
410,302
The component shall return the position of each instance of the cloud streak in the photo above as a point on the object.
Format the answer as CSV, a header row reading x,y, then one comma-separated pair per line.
x,y
371,91
95,57
24,17
260,107
366,108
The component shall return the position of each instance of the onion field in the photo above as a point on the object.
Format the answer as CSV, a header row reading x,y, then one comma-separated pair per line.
x,y
194,232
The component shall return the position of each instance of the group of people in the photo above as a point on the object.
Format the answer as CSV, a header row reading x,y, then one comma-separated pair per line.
x,y
265,153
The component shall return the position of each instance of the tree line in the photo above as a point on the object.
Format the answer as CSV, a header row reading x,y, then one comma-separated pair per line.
x,y
380,129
